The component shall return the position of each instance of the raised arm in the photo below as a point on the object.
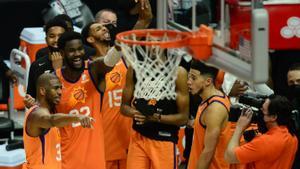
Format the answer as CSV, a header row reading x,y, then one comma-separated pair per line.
x,y
234,142
143,8
103,65
214,118
41,119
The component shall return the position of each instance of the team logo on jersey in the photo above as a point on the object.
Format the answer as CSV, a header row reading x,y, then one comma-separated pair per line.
x,y
152,102
78,95
115,77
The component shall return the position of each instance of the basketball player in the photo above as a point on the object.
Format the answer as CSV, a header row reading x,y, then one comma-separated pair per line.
x,y
211,128
156,124
41,137
82,148
96,35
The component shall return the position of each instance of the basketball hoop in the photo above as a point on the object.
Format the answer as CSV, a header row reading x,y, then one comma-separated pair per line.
x,y
198,43
156,54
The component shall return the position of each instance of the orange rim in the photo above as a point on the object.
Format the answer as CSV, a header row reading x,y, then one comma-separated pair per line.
x,y
141,33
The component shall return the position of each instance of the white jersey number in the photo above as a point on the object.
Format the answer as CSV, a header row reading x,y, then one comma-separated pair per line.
x,y
58,152
83,110
115,98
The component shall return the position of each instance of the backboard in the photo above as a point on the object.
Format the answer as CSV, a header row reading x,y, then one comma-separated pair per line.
x,y
248,59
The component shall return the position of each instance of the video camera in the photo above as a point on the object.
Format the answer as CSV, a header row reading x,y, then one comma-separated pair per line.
x,y
255,101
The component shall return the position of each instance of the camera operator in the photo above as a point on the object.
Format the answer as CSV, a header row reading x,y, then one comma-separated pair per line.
x,y
293,81
274,149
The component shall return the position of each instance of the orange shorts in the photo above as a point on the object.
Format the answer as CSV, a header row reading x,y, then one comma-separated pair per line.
x,y
116,164
146,153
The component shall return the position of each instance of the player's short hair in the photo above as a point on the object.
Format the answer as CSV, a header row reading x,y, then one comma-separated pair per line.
x,y
67,36
55,22
64,17
205,69
85,33
295,66
44,80
99,13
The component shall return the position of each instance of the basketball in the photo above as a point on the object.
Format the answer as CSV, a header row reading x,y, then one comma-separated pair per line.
x,y
78,94
115,77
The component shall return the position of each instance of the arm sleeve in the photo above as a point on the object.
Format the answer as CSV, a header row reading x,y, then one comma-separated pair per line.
x,y
252,151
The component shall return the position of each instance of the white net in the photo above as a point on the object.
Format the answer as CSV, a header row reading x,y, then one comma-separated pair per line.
x,y
155,68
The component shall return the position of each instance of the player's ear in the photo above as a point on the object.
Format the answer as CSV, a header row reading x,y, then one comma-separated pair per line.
x,y
42,91
90,39
209,81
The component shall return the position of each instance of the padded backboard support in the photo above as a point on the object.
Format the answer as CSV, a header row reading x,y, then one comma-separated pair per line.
x,y
253,68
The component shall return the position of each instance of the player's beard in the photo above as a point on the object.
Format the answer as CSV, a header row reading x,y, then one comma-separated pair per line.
x,y
104,41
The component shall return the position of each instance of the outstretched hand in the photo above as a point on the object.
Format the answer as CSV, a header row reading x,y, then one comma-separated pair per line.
x,y
86,121
143,8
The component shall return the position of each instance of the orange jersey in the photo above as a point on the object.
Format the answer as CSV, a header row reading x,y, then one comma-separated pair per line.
x,y
275,149
42,152
112,117
218,161
81,148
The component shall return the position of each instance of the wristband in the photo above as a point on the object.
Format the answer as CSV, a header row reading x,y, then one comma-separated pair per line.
x,y
112,57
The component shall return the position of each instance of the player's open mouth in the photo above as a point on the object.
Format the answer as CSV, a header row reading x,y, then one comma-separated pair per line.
x,y
77,61
107,36
57,99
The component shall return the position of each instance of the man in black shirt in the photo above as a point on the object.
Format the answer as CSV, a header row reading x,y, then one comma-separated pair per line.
x,y
293,82
54,28
45,51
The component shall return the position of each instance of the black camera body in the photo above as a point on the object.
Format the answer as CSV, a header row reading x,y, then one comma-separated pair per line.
x,y
255,101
